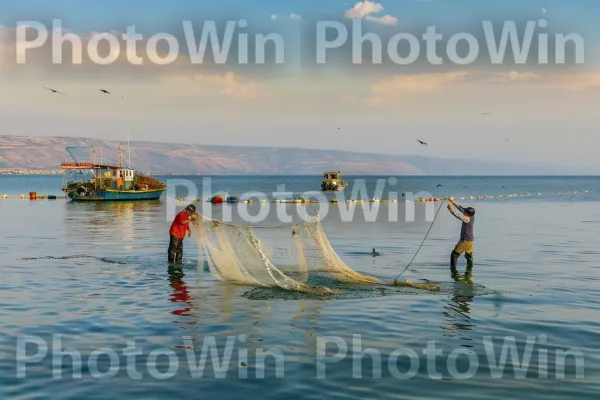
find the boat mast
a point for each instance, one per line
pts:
(129, 146)
(94, 168)
(120, 155)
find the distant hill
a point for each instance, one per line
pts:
(167, 158)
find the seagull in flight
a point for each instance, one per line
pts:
(53, 90)
(439, 185)
(422, 143)
(544, 11)
(104, 91)
(485, 113)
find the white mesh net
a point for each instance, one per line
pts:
(281, 256)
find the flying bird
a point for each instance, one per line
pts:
(544, 11)
(422, 143)
(104, 91)
(485, 113)
(439, 185)
(53, 90)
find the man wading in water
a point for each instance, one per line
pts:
(179, 227)
(465, 244)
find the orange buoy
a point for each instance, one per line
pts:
(217, 199)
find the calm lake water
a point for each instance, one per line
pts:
(97, 275)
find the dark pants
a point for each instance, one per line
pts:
(175, 250)
(453, 261)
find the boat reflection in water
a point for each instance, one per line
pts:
(133, 222)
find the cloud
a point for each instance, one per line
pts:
(514, 76)
(291, 16)
(387, 91)
(385, 20)
(422, 83)
(362, 9)
(569, 81)
(577, 82)
(366, 9)
(229, 84)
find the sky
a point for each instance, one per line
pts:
(519, 110)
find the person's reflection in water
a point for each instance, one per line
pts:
(180, 290)
(458, 310)
(466, 278)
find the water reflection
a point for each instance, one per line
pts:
(306, 322)
(458, 310)
(115, 219)
(220, 310)
(180, 293)
(213, 301)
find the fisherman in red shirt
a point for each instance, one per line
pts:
(179, 227)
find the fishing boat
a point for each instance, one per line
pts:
(332, 182)
(92, 181)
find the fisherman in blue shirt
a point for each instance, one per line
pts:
(465, 244)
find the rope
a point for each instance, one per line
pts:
(423, 242)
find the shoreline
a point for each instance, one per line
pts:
(23, 171)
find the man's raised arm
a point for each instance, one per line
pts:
(461, 217)
(455, 204)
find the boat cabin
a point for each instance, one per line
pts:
(331, 175)
(332, 181)
(125, 178)
(117, 179)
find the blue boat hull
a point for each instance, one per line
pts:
(116, 195)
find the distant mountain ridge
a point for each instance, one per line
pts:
(46, 153)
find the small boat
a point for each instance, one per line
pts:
(332, 182)
(91, 181)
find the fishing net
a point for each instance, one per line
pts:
(274, 256)
(282, 256)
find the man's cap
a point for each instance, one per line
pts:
(191, 208)
(470, 211)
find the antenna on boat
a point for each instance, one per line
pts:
(129, 146)
(100, 155)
